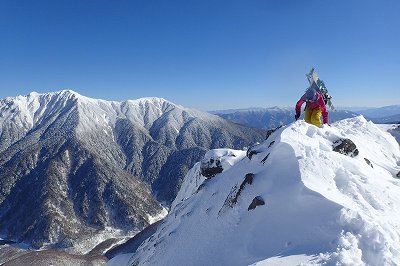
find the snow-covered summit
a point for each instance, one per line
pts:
(25, 112)
(289, 200)
(30, 110)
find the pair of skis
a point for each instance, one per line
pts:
(313, 78)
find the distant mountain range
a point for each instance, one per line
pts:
(75, 171)
(382, 115)
(272, 117)
(381, 112)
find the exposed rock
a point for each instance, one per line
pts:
(211, 167)
(265, 158)
(252, 151)
(272, 143)
(250, 154)
(368, 162)
(257, 201)
(398, 175)
(248, 179)
(235, 192)
(345, 147)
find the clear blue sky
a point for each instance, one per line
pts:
(203, 54)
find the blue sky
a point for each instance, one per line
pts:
(201, 53)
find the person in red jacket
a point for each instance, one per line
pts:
(315, 107)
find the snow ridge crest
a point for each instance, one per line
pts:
(30, 110)
(311, 205)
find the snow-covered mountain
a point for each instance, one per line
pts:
(393, 119)
(268, 118)
(381, 112)
(317, 196)
(75, 170)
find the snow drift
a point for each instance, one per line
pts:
(295, 201)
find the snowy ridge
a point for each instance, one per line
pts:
(32, 108)
(26, 111)
(153, 115)
(320, 207)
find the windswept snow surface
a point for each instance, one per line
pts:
(321, 207)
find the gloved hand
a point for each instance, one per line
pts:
(297, 116)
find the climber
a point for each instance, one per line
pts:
(315, 106)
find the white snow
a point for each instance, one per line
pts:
(321, 207)
(119, 260)
(150, 115)
(158, 217)
(26, 111)
(393, 129)
(86, 245)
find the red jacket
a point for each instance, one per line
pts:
(314, 104)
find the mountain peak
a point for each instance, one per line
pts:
(60, 93)
(71, 94)
(151, 99)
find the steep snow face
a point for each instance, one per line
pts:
(295, 201)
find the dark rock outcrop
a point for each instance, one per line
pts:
(345, 147)
(252, 151)
(368, 162)
(265, 159)
(234, 194)
(257, 201)
(272, 143)
(210, 167)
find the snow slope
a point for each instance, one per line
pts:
(320, 207)
(393, 129)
